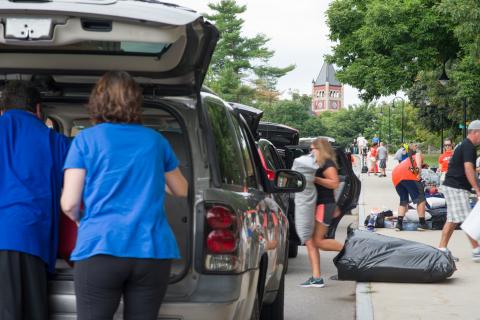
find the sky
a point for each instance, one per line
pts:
(298, 34)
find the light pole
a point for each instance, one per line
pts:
(443, 79)
(393, 104)
(380, 124)
(464, 118)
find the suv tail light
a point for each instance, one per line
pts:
(221, 241)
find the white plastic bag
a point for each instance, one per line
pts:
(436, 202)
(305, 201)
(471, 225)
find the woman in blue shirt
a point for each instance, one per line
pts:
(122, 169)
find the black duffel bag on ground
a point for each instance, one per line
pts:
(371, 257)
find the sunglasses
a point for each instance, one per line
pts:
(447, 145)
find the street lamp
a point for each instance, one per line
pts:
(393, 105)
(380, 125)
(443, 79)
(464, 118)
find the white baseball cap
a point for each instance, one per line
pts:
(474, 125)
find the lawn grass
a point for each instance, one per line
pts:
(431, 159)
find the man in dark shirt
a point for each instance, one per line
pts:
(459, 180)
(31, 163)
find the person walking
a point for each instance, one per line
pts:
(120, 169)
(31, 160)
(382, 155)
(326, 181)
(459, 180)
(406, 179)
(373, 158)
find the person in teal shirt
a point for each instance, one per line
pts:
(125, 244)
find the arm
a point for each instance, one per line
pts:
(471, 177)
(176, 183)
(331, 180)
(72, 193)
(419, 161)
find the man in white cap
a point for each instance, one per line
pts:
(459, 180)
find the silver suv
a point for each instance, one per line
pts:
(231, 231)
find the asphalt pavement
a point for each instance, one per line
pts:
(334, 301)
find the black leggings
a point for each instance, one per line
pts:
(101, 280)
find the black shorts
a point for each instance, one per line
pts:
(325, 213)
(382, 164)
(411, 188)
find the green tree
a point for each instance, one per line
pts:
(294, 112)
(241, 64)
(381, 46)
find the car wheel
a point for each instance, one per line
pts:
(274, 310)
(292, 250)
(256, 309)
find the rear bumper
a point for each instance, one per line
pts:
(215, 298)
(208, 311)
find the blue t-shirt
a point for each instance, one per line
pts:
(31, 161)
(124, 192)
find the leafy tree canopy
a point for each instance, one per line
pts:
(240, 62)
(381, 46)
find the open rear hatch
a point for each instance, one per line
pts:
(157, 43)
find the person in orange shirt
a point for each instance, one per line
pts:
(446, 155)
(373, 158)
(406, 179)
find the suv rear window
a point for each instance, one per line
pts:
(232, 171)
(104, 47)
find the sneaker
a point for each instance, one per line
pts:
(313, 282)
(422, 227)
(449, 253)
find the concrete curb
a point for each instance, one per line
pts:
(364, 310)
(364, 304)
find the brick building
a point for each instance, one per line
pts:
(327, 91)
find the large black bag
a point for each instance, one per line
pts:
(439, 217)
(368, 256)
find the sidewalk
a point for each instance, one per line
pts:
(455, 298)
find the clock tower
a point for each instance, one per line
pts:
(327, 91)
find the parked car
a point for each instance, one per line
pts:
(279, 136)
(231, 230)
(272, 161)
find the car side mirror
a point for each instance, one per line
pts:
(288, 181)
